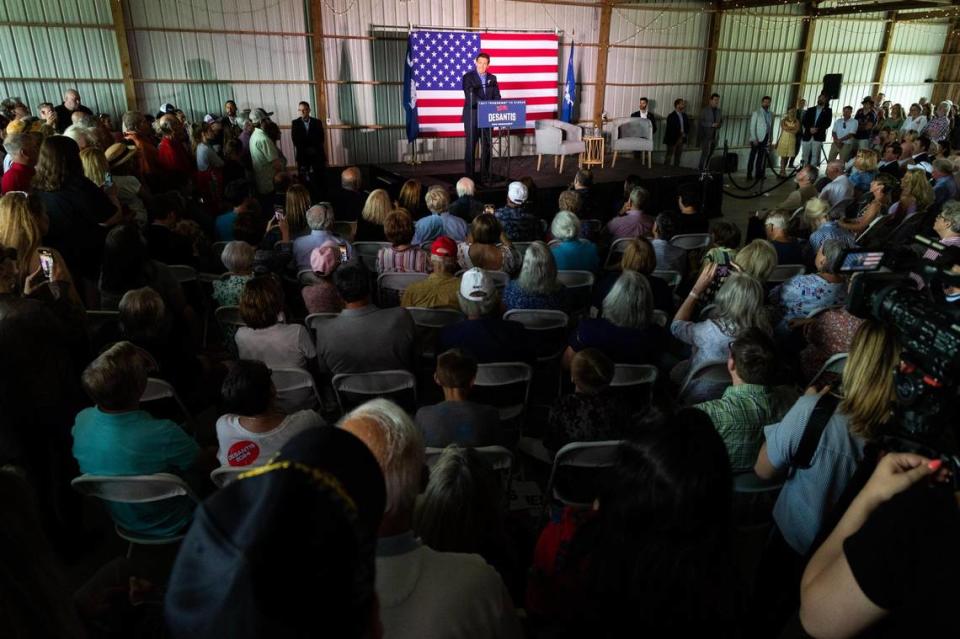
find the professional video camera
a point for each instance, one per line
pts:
(905, 288)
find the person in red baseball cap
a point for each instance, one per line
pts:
(441, 287)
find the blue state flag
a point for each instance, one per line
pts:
(569, 90)
(410, 96)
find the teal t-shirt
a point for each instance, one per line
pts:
(136, 443)
(223, 226)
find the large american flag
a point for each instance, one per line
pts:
(525, 65)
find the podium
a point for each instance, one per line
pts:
(501, 116)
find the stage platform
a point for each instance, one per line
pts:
(663, 182)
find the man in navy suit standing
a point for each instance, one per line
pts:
(308, 140)
(477, 85)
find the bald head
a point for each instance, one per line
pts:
(71, 99)
(350, 178)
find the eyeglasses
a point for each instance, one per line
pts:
(23, 193)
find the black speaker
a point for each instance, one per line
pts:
(831, 85)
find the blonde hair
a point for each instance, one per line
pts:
(19, 227)
(866, 160)
(297, 203)
(95, 165)
(437, 199)
(758, 258)
(914, 183)
(377, 207)
(815, 211)
(868, 378)
(638, 255)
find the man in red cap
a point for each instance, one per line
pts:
(441, 287)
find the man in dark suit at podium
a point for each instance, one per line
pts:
(307, 134)
(477, 85)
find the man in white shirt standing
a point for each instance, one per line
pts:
(264, 156)
(422, 592)
(761, 125)
(844, 134)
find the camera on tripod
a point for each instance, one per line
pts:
(911, 289)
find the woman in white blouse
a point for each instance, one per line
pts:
(915, 120)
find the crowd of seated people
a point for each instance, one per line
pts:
(317, 342)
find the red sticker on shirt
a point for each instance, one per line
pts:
(243, 453)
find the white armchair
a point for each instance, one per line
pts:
(557, 138)
(632, 134)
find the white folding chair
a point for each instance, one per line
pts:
(595, 455)
(616, 252)
(314, 321)
(183, 273)
(291, 385)
(835, 364)
(630, 379)
(229, 316)
(783, 272)
(371, 385)
(660, 318)
(549, 326)
(496, 378)
(397, 282)
(578, 291)
(159, 389)
(707, 381)
(135, 489)
(226, 474)
(346, 230)
(575, 279)
(521, 248)
(691, 241)
(368, 253)
(673, 278)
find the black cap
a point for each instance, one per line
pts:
(285, 550)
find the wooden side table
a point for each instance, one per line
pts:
(593, 155)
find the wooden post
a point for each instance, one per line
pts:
(881, 69)
(475, 14)
(713, 41)
(123, 48)
(319, 69)
(606, 9)
(948, 75)
(800, 79)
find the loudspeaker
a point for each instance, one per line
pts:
(831, 85)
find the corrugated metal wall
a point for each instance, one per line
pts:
(914, 57)
(198, 54)
(848, 46)
(759, 51)
(177, 60)
(658, 54)
(40, 58)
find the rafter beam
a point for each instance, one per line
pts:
(946, 12)
(606, 10)
(877, 7)
(948, 74)
(123, 48)
(713, 38)
(881, 69)
(319, 66)
(806, 33)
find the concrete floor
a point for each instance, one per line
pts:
(739, 210)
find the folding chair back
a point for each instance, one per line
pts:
(296, 389)
(706, 382)
(673, 278)
(183, 273)
(691, 241)
(306, 277)
(547, 328)
(353, 389)
(367, 251)
(435, 317)
(834, 365)
(616, 252)
(590, 456)
(628, 379)
(578, 289)
(505, 385)
(161, 394)
(225, 474)
(660, 318)
(390, 286)
(783, 272)
(314, 321)
(346, 230)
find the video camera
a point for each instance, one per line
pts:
(906, 289)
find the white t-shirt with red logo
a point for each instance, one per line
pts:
(240, 447)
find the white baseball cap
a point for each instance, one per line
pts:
(517, 192)
(476, 285)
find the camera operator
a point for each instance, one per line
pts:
(890, 565)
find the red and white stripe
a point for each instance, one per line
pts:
(527, 68)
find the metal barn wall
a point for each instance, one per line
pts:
(848, 46)
(365, 45)
(56, 45)
(657, 53)
(198, 55)
(915, 51)
(759, 51)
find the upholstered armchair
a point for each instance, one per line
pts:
(559, 139)
(632, 134)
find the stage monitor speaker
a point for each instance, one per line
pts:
(831, 85)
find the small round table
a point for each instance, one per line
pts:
(593, 154)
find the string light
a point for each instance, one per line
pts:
(329, 5)
(645, 28)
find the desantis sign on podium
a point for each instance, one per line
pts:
(526, 66)
(506, 113)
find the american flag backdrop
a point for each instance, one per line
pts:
(525, 65)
